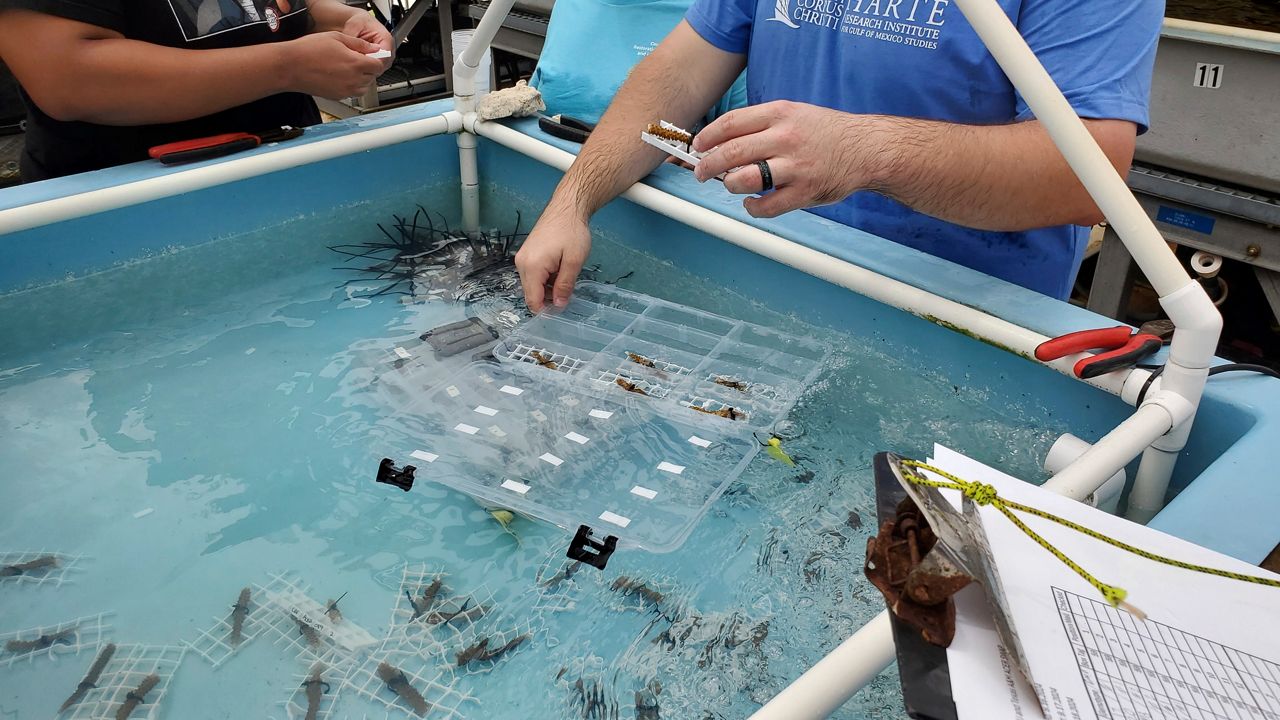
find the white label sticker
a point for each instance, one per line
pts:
(515, 487)
(1207, 75)
(424, 456)
(452, 391)
(615, 519)
(537, 415)
(496, 431)
(403, 354)
(601, 414)
(483, 410)
(580, 439)
(511, 390)
(144, 513)
(549, 458)
(468, 429)
(699, 441)
(671, 468)
(644, 492)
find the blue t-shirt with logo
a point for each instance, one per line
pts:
(591, 46)
(922, 59)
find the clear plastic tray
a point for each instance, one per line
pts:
(549, 446)
(683, 361)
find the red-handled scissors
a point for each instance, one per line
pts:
(1124, 349)
(219, 145)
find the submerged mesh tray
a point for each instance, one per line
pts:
(621, 412)
(686, 361)
(536, 443)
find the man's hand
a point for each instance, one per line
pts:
(816, 156)
(362, 25)
(333, 65)
(552, 256)
(990, 177)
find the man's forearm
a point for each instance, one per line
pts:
(1000, 177)
(660, 87)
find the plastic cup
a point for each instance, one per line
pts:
(461, 39)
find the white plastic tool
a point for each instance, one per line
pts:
(684, 151)
(380, 55)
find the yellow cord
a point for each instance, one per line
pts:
(983, 494)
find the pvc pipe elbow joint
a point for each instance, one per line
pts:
(1180, 411)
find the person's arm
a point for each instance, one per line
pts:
(677, 82)
(336, 16)
(332, 15)
(80, 72)
(994, 177)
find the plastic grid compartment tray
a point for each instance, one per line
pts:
(621, 332)
(561, 345)
(538, 443)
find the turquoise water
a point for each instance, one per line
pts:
(193, 423)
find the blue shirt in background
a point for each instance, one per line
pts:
(922, 59)
(591, 46)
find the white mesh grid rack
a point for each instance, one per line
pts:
(414, 581)
(633, 383)
(542, 357)
(215, 643)
(129, 666)
(558, 584)
(330, 682)
(56, 574)
(512, 631)
(433, 680)
(65, 638)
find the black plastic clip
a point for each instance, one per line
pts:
(403, 479)
(596, 554)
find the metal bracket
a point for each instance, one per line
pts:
(401, 478)
(585, 550)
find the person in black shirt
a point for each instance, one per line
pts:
(105, 80)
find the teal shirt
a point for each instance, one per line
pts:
(592, 45)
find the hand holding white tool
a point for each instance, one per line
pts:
(675, 141)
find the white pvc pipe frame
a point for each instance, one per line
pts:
(464, 102)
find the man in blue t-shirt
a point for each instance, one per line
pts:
(887, 115)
